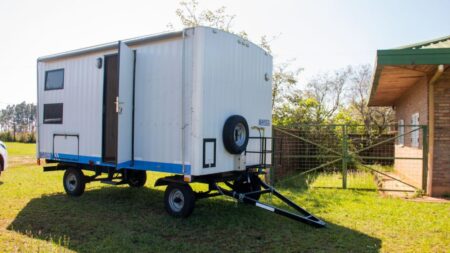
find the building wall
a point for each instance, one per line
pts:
(440, 178)
(414, 100)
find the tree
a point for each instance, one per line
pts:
(340, 98)
(18, 118)
(317, 103)
(328, 90)
(190, 16)
(359, 86)
(296, 111)
(284, 80)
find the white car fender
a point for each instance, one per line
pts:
(4, 155)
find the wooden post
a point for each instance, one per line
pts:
(344, 156)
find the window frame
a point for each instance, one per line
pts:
(53, 122)
(401, 132)
(46, 77)
(415, 135)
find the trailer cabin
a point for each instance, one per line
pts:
(194, 103)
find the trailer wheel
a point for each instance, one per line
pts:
(235, 134)
(136, 178)
(179, 200)
(244, 184)
(74, 182)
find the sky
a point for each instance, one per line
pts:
(319, 36)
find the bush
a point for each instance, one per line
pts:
(26, 137)
(20, 137)
(6, 136)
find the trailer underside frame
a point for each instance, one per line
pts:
(218, 185)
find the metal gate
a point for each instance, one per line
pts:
(397, 152)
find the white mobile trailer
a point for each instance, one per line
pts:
(173, 93)
(194, 103)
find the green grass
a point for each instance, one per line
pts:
(20, 149)
(355, 180)
(36, 216)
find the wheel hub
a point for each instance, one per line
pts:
(176, 200)
(71, 182)
(239, 134)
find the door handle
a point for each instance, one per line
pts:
(117, 104)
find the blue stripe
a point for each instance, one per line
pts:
(161, 167)
(138, 165)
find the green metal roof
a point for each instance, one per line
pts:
(443, 42)
(413, 56)
(433, 52)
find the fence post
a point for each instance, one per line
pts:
(273, 161)
(344, 156)
(424, 158)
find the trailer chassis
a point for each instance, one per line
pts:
(301, 215)
(243, 186)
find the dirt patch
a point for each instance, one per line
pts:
(391, 187)
(430, 200)
(21, 160)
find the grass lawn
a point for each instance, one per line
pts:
(36, 216)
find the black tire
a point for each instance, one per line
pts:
(74, 182)
(136, 178)
(179, 200)
(235, 134)
(1, 164)
(248, 183)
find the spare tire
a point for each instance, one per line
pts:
(235, 134)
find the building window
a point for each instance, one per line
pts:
(401, 132)
(415, 130)
(54, 79)
(53, 113)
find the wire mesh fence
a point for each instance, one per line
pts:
(397, 152)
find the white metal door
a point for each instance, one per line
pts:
(125, 104)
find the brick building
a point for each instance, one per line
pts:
(415, 81)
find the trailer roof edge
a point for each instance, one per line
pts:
(111, 45)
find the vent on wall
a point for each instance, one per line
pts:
(209, 153)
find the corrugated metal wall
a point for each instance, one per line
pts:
(82, 97)
(232, 83)
(158, 103)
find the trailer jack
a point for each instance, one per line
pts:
(302, 215)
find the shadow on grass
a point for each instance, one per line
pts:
(1, 182)
(134, 220)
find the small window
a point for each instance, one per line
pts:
(401, 132)
(54, 79)
(53, 113)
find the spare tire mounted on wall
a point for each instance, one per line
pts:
(235, 134)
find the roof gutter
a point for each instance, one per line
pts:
(431, 124)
